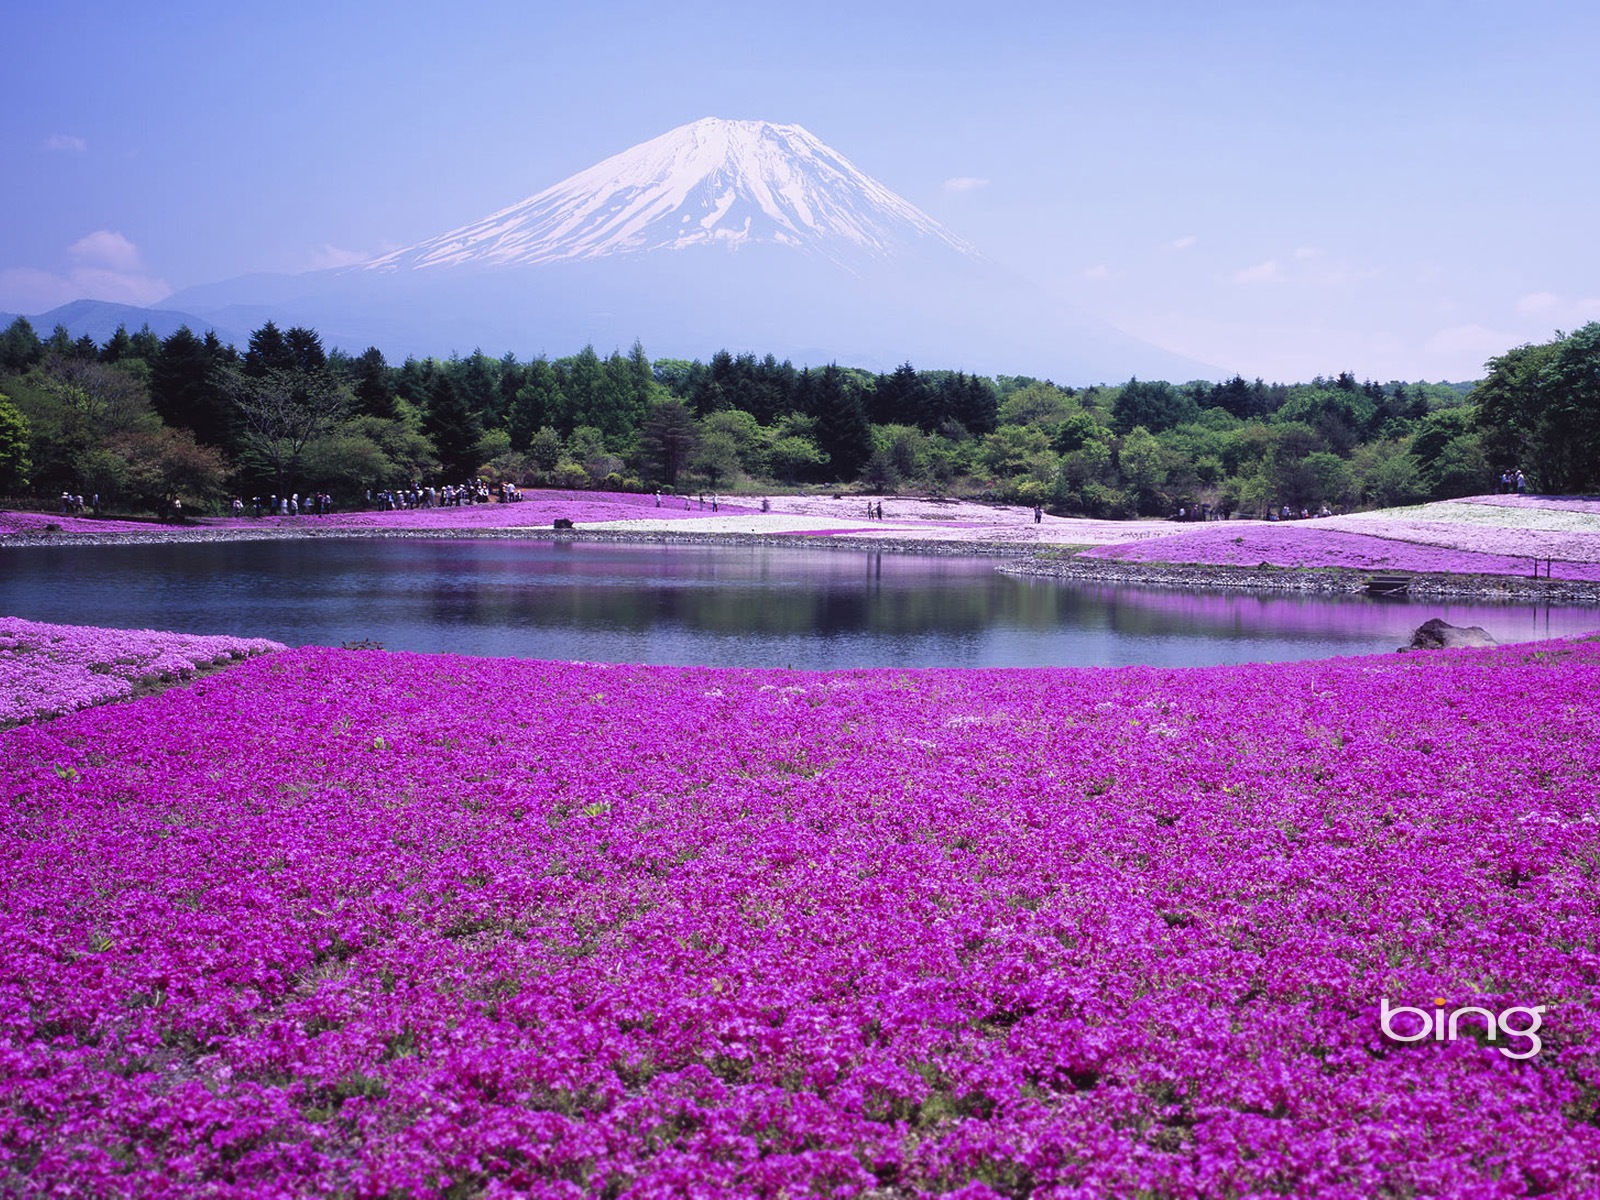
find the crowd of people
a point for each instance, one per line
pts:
(1286, 513)
(319, 504)
(450, 496)
(71, 504)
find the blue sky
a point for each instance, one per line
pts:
(1283, 189)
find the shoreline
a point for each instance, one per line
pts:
(1023, 560)
(1326, 581)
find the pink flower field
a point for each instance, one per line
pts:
(46, 670)
(27, 522)
(352, 923)
(540, 509)
(1308, 544)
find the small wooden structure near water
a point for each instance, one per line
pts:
(1388, 585)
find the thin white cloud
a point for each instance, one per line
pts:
(1469, 342)
(331, 257)
(1548, 306)
(1182, 243)
(103, 265)
(1307, 252)
(1265, 272)
(964, 183)
(1343, 273)
(1293, 349)
(1098, 271)
(65, 142)
(105, 249)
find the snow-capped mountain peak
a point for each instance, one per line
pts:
(710, 183)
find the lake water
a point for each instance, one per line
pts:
(723, 606)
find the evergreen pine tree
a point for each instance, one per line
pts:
(843, 432)
(266, 352)
(118, 346)
(370, 385)
(537, 402)
(145, 345)
(453, 427)
(186, 392)
(20, 346)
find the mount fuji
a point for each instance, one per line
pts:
(727, 184)
(743, 235)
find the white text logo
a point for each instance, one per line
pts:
(1442, 1027)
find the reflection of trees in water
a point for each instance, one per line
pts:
(737, 609)
(769, 593)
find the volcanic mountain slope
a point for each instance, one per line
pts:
(713, 183)
(738, 234)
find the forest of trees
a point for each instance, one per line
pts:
(143, 421)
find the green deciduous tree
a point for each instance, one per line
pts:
(1155, 405)
(544, 449)
(280, 412)
(1539, 410)
(14, 463)
(165, 464)
(1143, 467)
(1386, 474)
(716, 458)
(744, 432)
(793, 453)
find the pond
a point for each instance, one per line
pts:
(721, 606)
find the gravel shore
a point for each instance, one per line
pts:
(1310, 581)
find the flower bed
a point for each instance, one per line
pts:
(46, 670)
(1513, 512)
(28, 522)
(369, 924)
(1309, 544)
(1512, 542)
(1577, 504)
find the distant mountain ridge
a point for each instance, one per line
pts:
(739, 235)
(100, 319)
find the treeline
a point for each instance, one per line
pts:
(142, 421)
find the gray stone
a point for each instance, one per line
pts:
(1441, 635)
